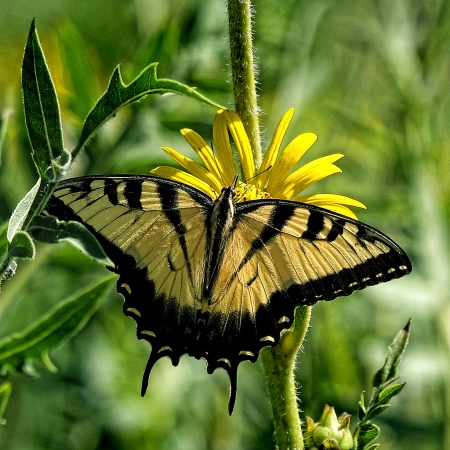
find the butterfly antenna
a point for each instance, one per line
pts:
(257, 175)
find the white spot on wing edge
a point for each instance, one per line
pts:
(246, 352)
(267, 338)
(126, 287)
(162, 349)
(148, 333)
(134, 311)
(403, 268)
(225, 360)
(284, 319)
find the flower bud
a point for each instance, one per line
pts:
(330, 432)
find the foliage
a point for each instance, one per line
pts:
(371, 79)
(367, 432)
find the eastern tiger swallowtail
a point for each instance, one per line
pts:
(220, 280)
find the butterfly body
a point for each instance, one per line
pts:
(219, 280)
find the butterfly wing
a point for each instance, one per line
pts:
(154, 232)
(285, 254)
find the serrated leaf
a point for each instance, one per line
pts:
(367, 434)
(119, 95)
(5, 391)
(386, 395)
(50, 230)
(21, 212)
(388, 373)
(41, 106)
(60, 324)
(22, 246)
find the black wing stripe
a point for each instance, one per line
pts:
(110, 191)
(169, 202)
(132, 193)
(278, 218)
(314, 226)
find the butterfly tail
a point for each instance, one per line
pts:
(233, 389)
(148, 368)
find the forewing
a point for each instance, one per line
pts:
(154, 232)
(285, 254)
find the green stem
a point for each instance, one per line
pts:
(279, 363)
(243, 71)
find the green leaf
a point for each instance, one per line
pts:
(386, 395)
(21, 212)
(361, 408)
(50, 230)
(22, 246)
(367, 434)
(388, 373)
(64, 321)
(372, 447)
(118, 95)
(5, 391)
(4, 244)
(375, 411)
(41, 106)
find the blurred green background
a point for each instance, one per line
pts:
(372, 79)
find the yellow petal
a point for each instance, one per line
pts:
(181, 176)
(223, 147)
(288, 159)
(340, 209)
(240, 138)
(335, 207)
(306, 176)
(330, 199)
(272, 152)
(196, 169)
(203, 150)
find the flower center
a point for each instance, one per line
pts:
(246, 192)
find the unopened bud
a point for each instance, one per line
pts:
(329, 433)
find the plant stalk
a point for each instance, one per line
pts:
(279, 364)
(243, 71)
(278, 361)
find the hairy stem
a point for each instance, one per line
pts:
(243, 71)
(279, 363)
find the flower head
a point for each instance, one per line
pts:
(273, 179)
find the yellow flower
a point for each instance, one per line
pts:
(271, 180)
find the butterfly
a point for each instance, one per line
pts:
(217, 279)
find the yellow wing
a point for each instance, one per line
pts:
(285, 254)
(154, 232)
(278, 255)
